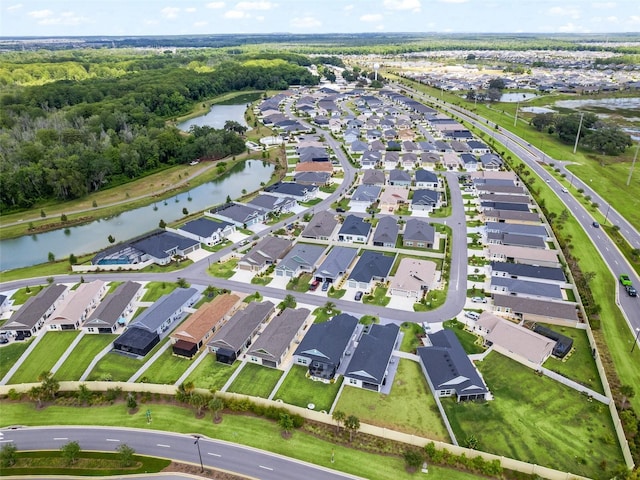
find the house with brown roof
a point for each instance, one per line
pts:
(413, 278)
(267, 252)
(77, 306)
(517, 254)
(192, 334)
(314, 167)
(392, 197)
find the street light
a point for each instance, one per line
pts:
(197, 443)
(635, 340)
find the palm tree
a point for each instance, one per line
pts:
(286, 423)
(49, 386)
(328, 307)
(215, 405)
(199, 401)
(352, 423)
(288, 302)
(338, 416)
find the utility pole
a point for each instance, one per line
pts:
(575, 146)
(515, 120)
(635, 157)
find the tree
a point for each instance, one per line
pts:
(543, 121)
(199, 401)
(73, 260)
(493, 94)
(162, 224)
(84, 394)
(132, 403)
(607, 140)
(286, 424)
(36, 394)
(216, 404)
(497, 83)
(338, 416)
(412, 459)
(352, 424)
(70, 452)
(627, 392)
(182, 283)
(51, 257)
(185, 390)
(289, 301)
(125, 454)
(185, 211)
(111, 239)
(8, 455)
(63, 217)
(328, 307)
(49, 385)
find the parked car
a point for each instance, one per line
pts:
(3, 339)
(625, 280)
(325, 286)
(595, 225)
(479, 299)
(314, 285)
(631, 291)
(472, 315)
(358, 296)
(340, 210)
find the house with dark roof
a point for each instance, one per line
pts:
(536, 310)
(373, 177)
(271, 204)
(426, 179)
(323, 348)
(370, 361)
(418, 234)
(302, 258)
(354, 230)
(206, 230)
(4, 303)
(505, 198)
(529, 230)
(425, 200)
(266, 252)
(409, 160)
(516, 240)
(491, 162)
(522, 271)
(313, 178)
(469, 162)
(31, 316)
(77, 306)
(370, 160)
(371, 267)
(391, 160)
(478, 147)
(321, 226)
(358, 146)
(275, 341)
(114, 309)
(460, 147)
(240, 215)
(302, 193)
(144, 332)
(192, 334)
(498, 205)
(525, 288)
(401, 178)
(448, 369)
(386, 232)
(364, 195)
(335, 264)
(236, 336)
(313, 154)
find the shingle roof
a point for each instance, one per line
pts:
(32, 311)
(523, 270)
(397, 175)
(518, 240)
(75, 304)
(531, 306)
(158, 313)
(426, 176)
(371, 264)
(268, 249)
(238, 212)
(301, 255)
(158, 244)
(278, 334)
(371, 357)
(205, 227)
(373, 177)
(419, 230)
(112, 307)
(327, 341)
(515, 228)
(321, 225)
(354, 225)
(205, 318)
(290, 188)
(425, 197)
(386, 231)
(366, 193)
(337, 261)
(238, 330)
(526, 287)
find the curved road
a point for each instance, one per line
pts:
(218, 454)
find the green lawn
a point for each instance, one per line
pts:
(470, 342)
(256, 380)
(9, 355)
(23, 294)
(410, 341)
(44, 356)
(322, 315)
(223, 270)
(79, 360)
(537, 420)
(299, 390)
(154, 290)
(120, 368)
(167, 369)
(211, 374)
(247, 430)
(300, 284)
(379, 297)
(579, 365)
(409, 407)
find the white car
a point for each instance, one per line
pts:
(478, 299)
(472, 315)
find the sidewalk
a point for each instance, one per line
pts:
(67, 352)
(22, 358)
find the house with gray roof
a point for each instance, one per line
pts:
(498, 205)
(418, 234)
(31, 316)
(391, 160)
(358, 146)
(460, 147)
(313, 178)
(516, 240)
(206, 230)
(373, 177)
(323, 348)
(425, 200)
(386, 232)
(240, 215)
(302, 258)
(409, 160)
(491, 162)
(335, 264)
(530, 230)
(525, 288)
(371, 267)
(302, 193)
(365, 195)
(511, 216)
(377, 146)
(275, 341)
(370, 160)
(236, 336)
(313, 154)
(321, 226)
(478, 147)
(448, 369)
(266, 252)
(535, 273)
(401, 178)
(426, 179)
(469, 161)
(370, 361)
(354, 230)
(272, 204)
(536, 310)
(114, 309)
(504, 198)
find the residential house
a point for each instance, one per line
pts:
(535, 310)
(426, 179)
(313, 178)
(525, 288)
(497, 205)
(409, 160)
(386, 232)
(274, 205)
(321, 226)
(364, 196)
(335, 264)
(392, 198)
(31, 316)
(354, 230)
(240, 215)
(530, 256)
(413, 278)
(370, 160)
(563, 343)
(206, 230)
(516, 240)
(266, 252)
(391, 160)
(191, 335)
(491, 161)
(313, 167)
(324, 346)
(371, 267)
(448, 369)
(114, 309)
(511, 216)
(274, 343)
(477, 147)
(469, 162)
(504, 198)
(535, 273)
(429, 160)
(373, 177)
(302, 258)
(418, 234)
(451, 161)
(425, 200)
(358, 146)
(400, 178)
(77, 306)
(301, 193)
(369, 364)
(236, 336)
(460, 147)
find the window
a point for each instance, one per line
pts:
(353, 381)
(302, 361)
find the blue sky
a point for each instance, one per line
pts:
(182, 17)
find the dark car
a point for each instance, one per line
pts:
(595, 225)
(314, 285)
(631, 291)
(340, 210)
(325, 286)
(358, 296)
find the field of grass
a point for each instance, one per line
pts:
(223, 270)
(537, 420)
(154, 290)
(211, 374)
(79, 360)
(409, 407)
(247, 430)
(410, 341)
(23, 294)
(299, 390)
(9, 355)
(44, 356)
(167, 369)
(468, 340)
(255, 380)
(378, 297)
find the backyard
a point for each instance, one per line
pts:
(409, 407)
(255, 380)
(468, 340)
(167, 369)
(9, 355)
(299, 390)
(537, 420)
(78, 361)
(154, 290)
(44, 356)
(211, 374)
(410, 340)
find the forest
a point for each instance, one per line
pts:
(66, 138)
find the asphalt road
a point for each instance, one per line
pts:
(215, 453)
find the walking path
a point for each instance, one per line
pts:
(68, 351)
(575, 385)
(22, 358)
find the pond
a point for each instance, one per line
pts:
(516, 97)
(628, 103)
(217, 116)
(91, 237)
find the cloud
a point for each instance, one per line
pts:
(191, 10)
(305, 22)
(40, 13)
(572, 12)
(68, 18)
(150, 22)
(604, 5)
(346, 8)
(215, 5)
(453, 1)
(200, 24)
(572, 28)
(170, 12)
(235, 14)
(413, 5)
(12, 8)
(371, 17)
(255, 5)
(380, 27)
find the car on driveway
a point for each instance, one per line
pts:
(595, 225)
(314, 285)
(358, 296)
(340, 210)
(478, 299)
(625, 280)
(631, 291)
(325, 286)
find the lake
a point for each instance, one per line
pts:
(628, 103)
(516, 97)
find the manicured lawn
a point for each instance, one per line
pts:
(247, 430)
(211, 374)
(79, 360)
(44, 356)
(167, 369)
(9, 355)
(223, 270)
(468, 340)
(322, 315)
(537, 420)
(256, 380)
(379, 297)
(157, 289)
(120, 368)
(579, 365)
(300, 284)
(59, 267)
(265, 280)
(409, 407)
(299, 390)
(410, 341)
(24, 294)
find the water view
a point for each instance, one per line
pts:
(217, 117)
(516, 97)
